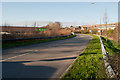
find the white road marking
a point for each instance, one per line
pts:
(13, 57)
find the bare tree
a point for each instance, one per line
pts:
(54, 28)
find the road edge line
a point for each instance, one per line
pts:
(13, 57)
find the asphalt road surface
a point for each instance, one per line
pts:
(44, 60)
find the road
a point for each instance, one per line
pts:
(44, 60)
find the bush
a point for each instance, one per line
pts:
(86, 31)
(110, 31)
(94, 31)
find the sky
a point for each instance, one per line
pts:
(68, 13)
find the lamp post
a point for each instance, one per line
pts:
(105, 19)
(100, 20)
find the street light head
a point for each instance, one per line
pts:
(92, 3)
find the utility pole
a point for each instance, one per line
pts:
(105, 19)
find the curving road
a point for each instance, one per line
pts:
(44, 60)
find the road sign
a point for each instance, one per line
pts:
(41, 29)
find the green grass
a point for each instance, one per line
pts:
(89, 64)
(111, 46)
(10, 44)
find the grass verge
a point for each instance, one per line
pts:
(113, 55)
(110, 46)
(9, 44)
(89, 64)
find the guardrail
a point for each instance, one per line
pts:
(109, 69)
(34, 38)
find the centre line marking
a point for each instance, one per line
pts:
(13, 57)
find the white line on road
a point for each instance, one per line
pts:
(13, 57)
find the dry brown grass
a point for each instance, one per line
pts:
(112, 34)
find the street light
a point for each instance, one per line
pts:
(92, 26)
(100, 19)
(105, 19)
(93, 3)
